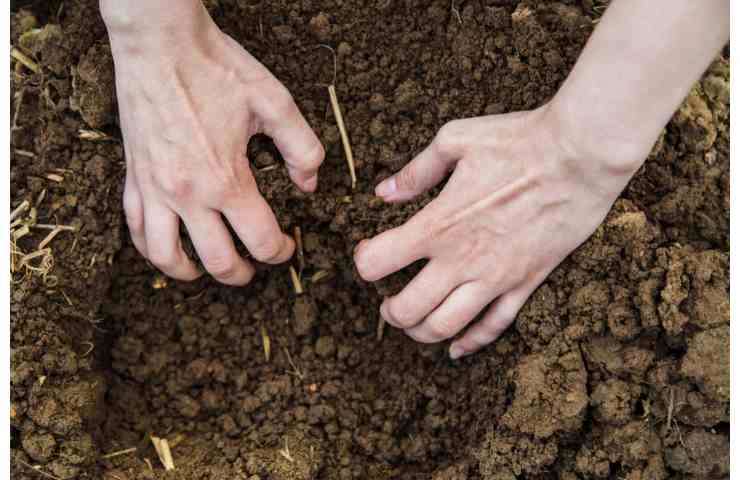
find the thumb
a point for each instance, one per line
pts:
(424, 171)
(301, 149)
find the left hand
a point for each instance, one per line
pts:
(523, 195)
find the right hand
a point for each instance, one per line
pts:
(190, 97)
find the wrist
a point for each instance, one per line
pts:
(138, 25)
(597, 137)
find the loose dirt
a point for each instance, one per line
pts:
(617, 367)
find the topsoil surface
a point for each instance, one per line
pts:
(617, 367)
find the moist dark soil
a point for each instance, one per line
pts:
(617, 367)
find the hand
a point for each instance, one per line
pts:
(190, 98)
(521, 198)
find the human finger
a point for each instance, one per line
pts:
(163, 244)
(257, 227)
(133, 207)
(215, 247)
(427, 169)
(459, 309)
(280, 118)
(421, 296)
(495, 322)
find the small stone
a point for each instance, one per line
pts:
(264, 159)
(39, 447)
(344, 49)
(325, 347)
(305, 315)
(188, 407)
(377, 126)
(320, 27)
(283, 33)
(408, 96)
(376, 102)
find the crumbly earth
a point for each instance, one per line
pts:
(617, 367)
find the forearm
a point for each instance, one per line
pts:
(638, 66)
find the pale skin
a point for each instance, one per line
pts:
(526, 189)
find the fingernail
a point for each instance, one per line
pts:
(386, 188)
(456, 352)
(312, 182)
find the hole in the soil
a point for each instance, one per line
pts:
(640, 408)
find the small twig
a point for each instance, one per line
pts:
(340, 119)
(334, 56)
(19, 233)
(24, 153)
(46, 226)
(93, 135)
(671, 404)
(343, 134)
(19, 210)
(299, 249)
(380, 328)
(297, 285)
(66, 298)
(296, 371)
(49, 238)
(18, 104)
(88, 352)
(265, 341)
(119, 453)
(286, 452)
(268, 168)
(54, 177)
(456, 12)
(680, 438)
(177, 440)
(38, 253)
(37, 469)
(25, 60)
(318, 276)
(163, 451)
(40, 198)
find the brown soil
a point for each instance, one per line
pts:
(618, 366)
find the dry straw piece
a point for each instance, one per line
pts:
(343, 133)
(265, 342)
(163, 451)
(25, 60)
(334, 100)
(296, 280)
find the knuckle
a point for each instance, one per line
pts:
(400, 314)
(422, 229)
(282, 100)
(162, 259)
(502, 322)
(221, 267)
(134, 215)
(448, 138)
(229, 188)
(363, 261)
(315, 156)
(177, 187)
(475, 243)
(441, 330)
(267, 250)
(406, 179)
